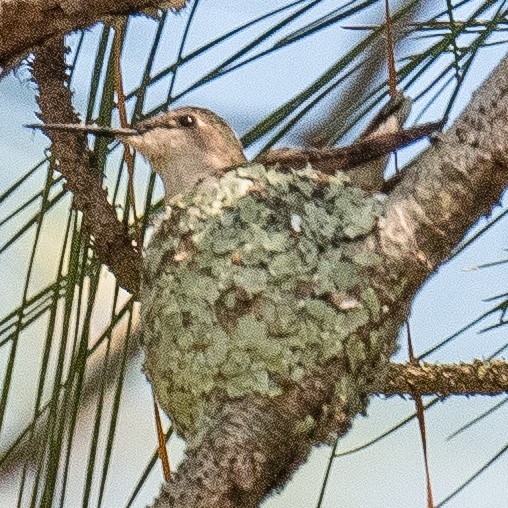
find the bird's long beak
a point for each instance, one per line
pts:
(88, 129)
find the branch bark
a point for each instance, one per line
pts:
(28, 24)
(257, 444)
(113, 245)
(446, 190)
(477, 378)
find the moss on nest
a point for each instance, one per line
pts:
(251, 284)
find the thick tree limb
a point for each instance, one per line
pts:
(444, 192)
(256, 445)
(113, 245)
(28, 24)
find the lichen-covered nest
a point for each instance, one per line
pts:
(252, 283)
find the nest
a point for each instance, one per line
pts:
(253, 282)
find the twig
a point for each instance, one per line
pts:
(477, 378)
(128, 157)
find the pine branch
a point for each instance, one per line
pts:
(28, 24)
(449, 187)
(112, 243)
(468, 379)
(477, 378)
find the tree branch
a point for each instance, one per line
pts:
(257, 444)
(28, 24)
(112, 245)
(477, 378)
(446, 190)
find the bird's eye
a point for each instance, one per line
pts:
(186, 121)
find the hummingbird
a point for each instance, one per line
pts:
(191, 144)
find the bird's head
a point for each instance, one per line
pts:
(184, 145)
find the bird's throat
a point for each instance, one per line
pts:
(181, 174)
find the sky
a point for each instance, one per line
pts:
(389, 474)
